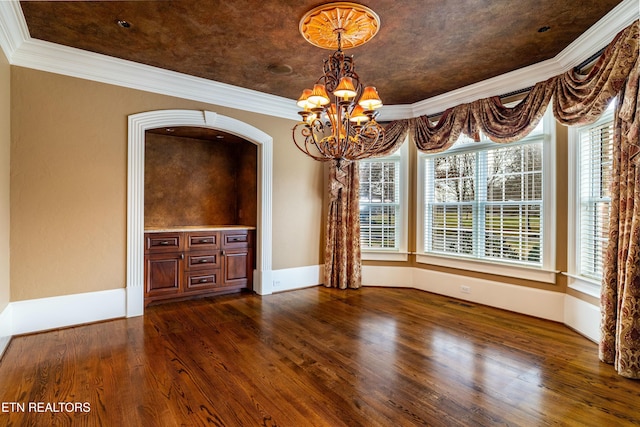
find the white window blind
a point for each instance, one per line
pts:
(596, 161)
(379, 203)
(485, 201)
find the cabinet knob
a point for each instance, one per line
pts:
(203, 280)
(164, 243)
(204, 261)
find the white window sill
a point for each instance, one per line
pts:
(517, 271)
(583, 285)
(384, 256)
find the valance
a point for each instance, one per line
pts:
(577, 99)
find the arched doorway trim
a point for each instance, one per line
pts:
(138, 124)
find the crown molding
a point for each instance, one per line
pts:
(13, 27)
(55, 58)
(22, 50)
(505, 83)
(599, 35)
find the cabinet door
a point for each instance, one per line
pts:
(237, 267)
(163, 274)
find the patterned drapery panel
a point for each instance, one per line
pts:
(342, 266)
(620, 294)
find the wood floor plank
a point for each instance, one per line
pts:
(317, 357)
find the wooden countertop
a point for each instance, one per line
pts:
(180, 228)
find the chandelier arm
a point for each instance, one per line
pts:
(309, 140)
(367, 142)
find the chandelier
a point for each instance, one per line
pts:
(338, 115)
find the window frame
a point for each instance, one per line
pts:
(547, 272)
(576, 280)
(402, 221)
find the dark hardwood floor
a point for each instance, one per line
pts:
(315, 357)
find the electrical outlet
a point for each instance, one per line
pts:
(465, 289)
(276, 283)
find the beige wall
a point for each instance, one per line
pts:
(5, 144)
(68, 184)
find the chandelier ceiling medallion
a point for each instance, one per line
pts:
(338, 115)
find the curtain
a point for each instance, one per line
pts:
(580, 100)
(620, 294)
(501, 124)
(342, 265)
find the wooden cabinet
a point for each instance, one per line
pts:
(184, 264)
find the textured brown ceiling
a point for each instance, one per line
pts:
(424, 47)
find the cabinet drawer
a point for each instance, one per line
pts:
(236, 239)
(203, 240)
(196, 281)
(162, 242)
(203, 260)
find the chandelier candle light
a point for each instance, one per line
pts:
(338, 115)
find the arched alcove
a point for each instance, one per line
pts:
(138, 124)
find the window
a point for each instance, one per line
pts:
(379, 203)
(592, 172)
(382, 206)
(596, 162)
(487, 202)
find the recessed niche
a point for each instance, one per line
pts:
(198, 176)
